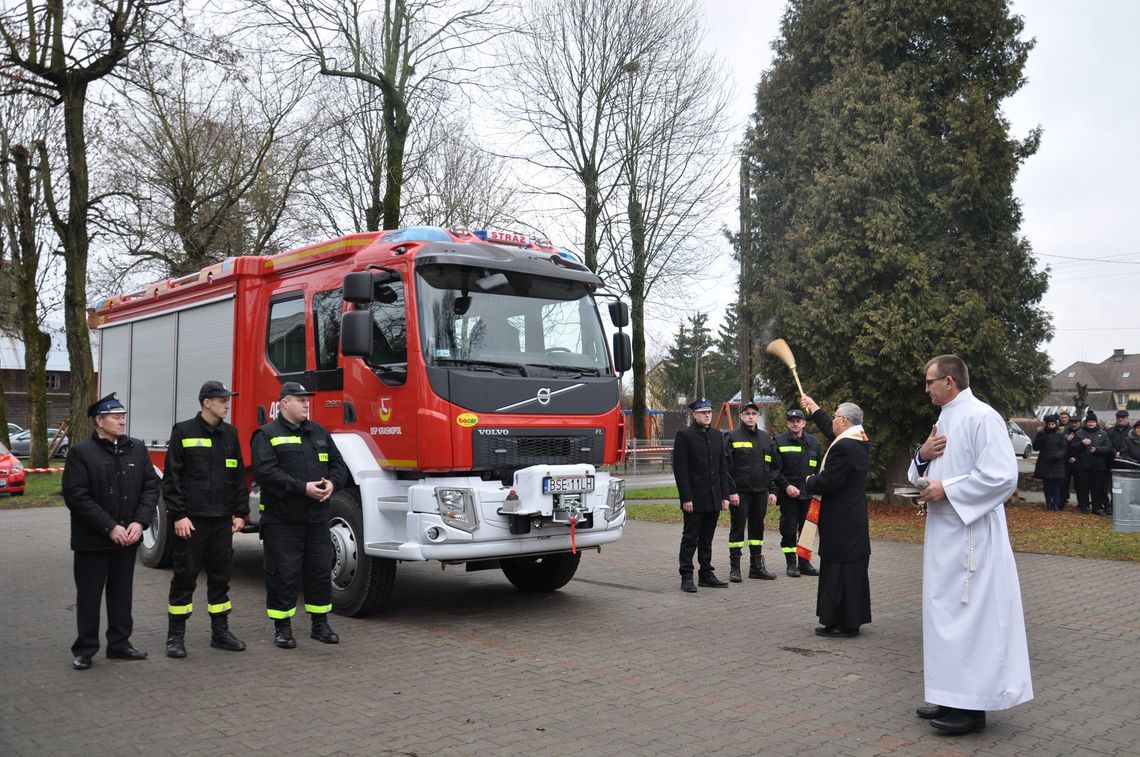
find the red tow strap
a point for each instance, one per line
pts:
(573, 540)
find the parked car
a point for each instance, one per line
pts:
(12, 474)
(13, 429)
(22, 443)
(1022, 444)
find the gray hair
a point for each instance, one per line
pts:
(851, 412)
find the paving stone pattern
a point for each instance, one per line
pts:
(620, 662)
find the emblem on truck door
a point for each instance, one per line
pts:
(542, 397)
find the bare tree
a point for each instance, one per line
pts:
(673, 137)
(206, 161)
(25, 121)
(53, 53)
(564, 69)
(402, 50)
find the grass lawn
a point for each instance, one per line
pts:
(42, 491)
(1031, 527)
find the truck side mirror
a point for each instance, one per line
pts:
(619, 314)
(358, 287)
(356, 331)
(623, 353)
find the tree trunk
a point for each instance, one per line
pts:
(36, 342)
(593, 210)
(637, 308)
(895, 475)
(743, 312)
(397, 124)
(75, 249)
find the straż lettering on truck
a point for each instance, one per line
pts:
(465, 376)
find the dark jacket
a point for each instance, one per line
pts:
(844, 535)
(1092, 456)
(284, 459)
(106, 484)
(752, 460)
(1118, 437)
(205, 473)
(1132, 450)
(700, 467)
(797, 459)
(1050, 446)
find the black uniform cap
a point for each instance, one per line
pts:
(214, 389)
(701, 404)
(106, 406)
(795, 412)
(1121, 413)
(750, 406)
(294, 389)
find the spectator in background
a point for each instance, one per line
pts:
(1132, 451)
(1070, 425)
(1088, 451)
(1118, 435)
(1050, 468)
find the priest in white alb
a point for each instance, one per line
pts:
(975, 655)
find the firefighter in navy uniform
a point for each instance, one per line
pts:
(298, 468)
(798, 455)
(207, 499)
(751, 465)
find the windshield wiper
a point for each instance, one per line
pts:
(484, 365)
(573, 370)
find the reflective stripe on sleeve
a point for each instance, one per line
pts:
(223, 607)
(275, 440)
(197, 442)
(281, 614)
(318, 609)
(180, 609)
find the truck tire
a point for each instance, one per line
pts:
(156, 549)
(360, 584)
(540, 573)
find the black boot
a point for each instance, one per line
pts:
(757, 569)
(734, 568)
(710, 579)
(221, 637)
(176, 637)
(322, 632)
(283, 634)
(792, 570)
(806, 568)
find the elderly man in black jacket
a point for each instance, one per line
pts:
(700, 466)
(1088, 450)
(111, 489)
(843, 600)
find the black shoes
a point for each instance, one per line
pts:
(283, 636)
(758, 570)
(176, 646)
(734, 573)
(836, 632)
(710, 579)
(793, 571)
(687, 584)
(932, 711)
(322, 632)
(126, 653)
(81, 662)
(222, 638)
(956, 722)
(806, 569)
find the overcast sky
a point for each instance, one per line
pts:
(1077, 192)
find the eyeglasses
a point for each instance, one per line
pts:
(939, 378)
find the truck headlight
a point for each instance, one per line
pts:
(457, 507)
(615, 498)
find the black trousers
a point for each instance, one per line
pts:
(210, 546)
(750, 512)
(843, 597)
(793, 513)
(697, 535)
(296, 554)
(113, 571)
(1090, 485)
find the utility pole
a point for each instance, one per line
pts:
(744, 316)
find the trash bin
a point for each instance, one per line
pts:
(1126, 500)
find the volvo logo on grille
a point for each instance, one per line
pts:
(493, 432)
(543, 395)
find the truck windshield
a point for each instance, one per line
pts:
(485, 318)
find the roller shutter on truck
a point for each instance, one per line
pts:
(157, 364)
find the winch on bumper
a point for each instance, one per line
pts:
(471, 519)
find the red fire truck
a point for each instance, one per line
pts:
(465, 377)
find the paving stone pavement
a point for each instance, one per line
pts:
(620, 662)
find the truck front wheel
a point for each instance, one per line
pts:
(360, 584)
(541, 573)
(157, 547)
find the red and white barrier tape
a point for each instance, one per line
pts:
(43, 470)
